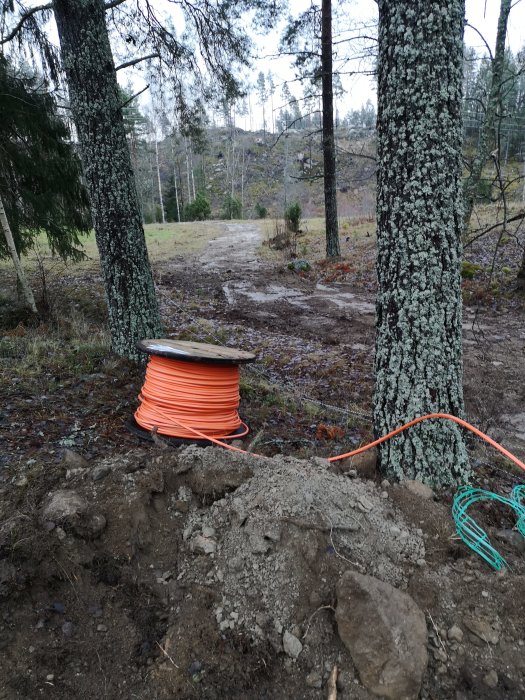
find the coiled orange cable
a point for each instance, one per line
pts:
(197, 399)
(184, 399)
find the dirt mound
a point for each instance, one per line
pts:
(214, 575)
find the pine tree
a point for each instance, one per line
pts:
(418, 362)
(40, 174)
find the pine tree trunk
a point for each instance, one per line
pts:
(330, 192)
(96, 110)
(26, 289)
(418, 360)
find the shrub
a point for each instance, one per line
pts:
(261, 212)
(292, 217)
(198, 210)
(232, 208)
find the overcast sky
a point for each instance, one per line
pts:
(482, 14)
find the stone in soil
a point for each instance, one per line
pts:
(291, 645)
(385, 633)
(63, 505)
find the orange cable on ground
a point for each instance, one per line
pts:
(445, 416)
(187, 399)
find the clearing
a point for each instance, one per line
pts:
(132, 571)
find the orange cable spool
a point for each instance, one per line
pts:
(191, 391)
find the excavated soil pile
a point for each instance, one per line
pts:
(206, 574)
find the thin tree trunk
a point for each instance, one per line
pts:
(242, 184)
(26, 289)
(188, 170)
(96, 110)
(175, 179)
(159, 184)
(333, 249)
(192, 171)
(488, 139)
(418, 361)
(521, 273)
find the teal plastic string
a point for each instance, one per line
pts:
(472, 534)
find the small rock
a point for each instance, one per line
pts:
(272, 533)
(63, 505)
(421, 563)
(419, 489)
(60, 533)
(50, 677)
(351, 473)
(203, 545)
(314, 680)
(384, 494)
(74, 459)
(385, 483)
(102, 628)
(364, 504)
(181, 506)
(235, 564)
(208, 532)
(258, 544)
(195, 667)
(67, 628)
(455, 634)
(291, 645)
(439, 654)
(482, 629)
(491, 679)
(100, 472)
(299, 265)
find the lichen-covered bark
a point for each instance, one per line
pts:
(95, 106)
(418, 360)
(330, 191)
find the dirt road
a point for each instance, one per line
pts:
(250, 290)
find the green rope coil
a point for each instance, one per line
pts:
(473, 535)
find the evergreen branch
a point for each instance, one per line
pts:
(134, 61)
(23, 19)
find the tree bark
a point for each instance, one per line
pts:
(330, 192)
(96, 110)
(488, 138)
(26, 289)
(418, 361)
